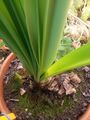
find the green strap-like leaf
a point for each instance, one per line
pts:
(11, 32)
(31, 8)
(55, 18)
(76, 58)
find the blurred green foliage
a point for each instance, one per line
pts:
(81, 8)
(64, 47)
(2, 44)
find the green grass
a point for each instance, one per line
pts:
(39, 104)
(44, 106)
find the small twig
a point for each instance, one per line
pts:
(79, 19)
(14, 100)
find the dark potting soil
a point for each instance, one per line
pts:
(43, 104)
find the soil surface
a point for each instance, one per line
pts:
(44, 104)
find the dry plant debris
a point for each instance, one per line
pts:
(64, 84)
(77, 29)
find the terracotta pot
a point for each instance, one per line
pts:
(3, 71)
(86, 115)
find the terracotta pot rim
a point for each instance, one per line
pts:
(86, 114)
(3, 71)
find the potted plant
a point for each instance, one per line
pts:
(32, 29)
